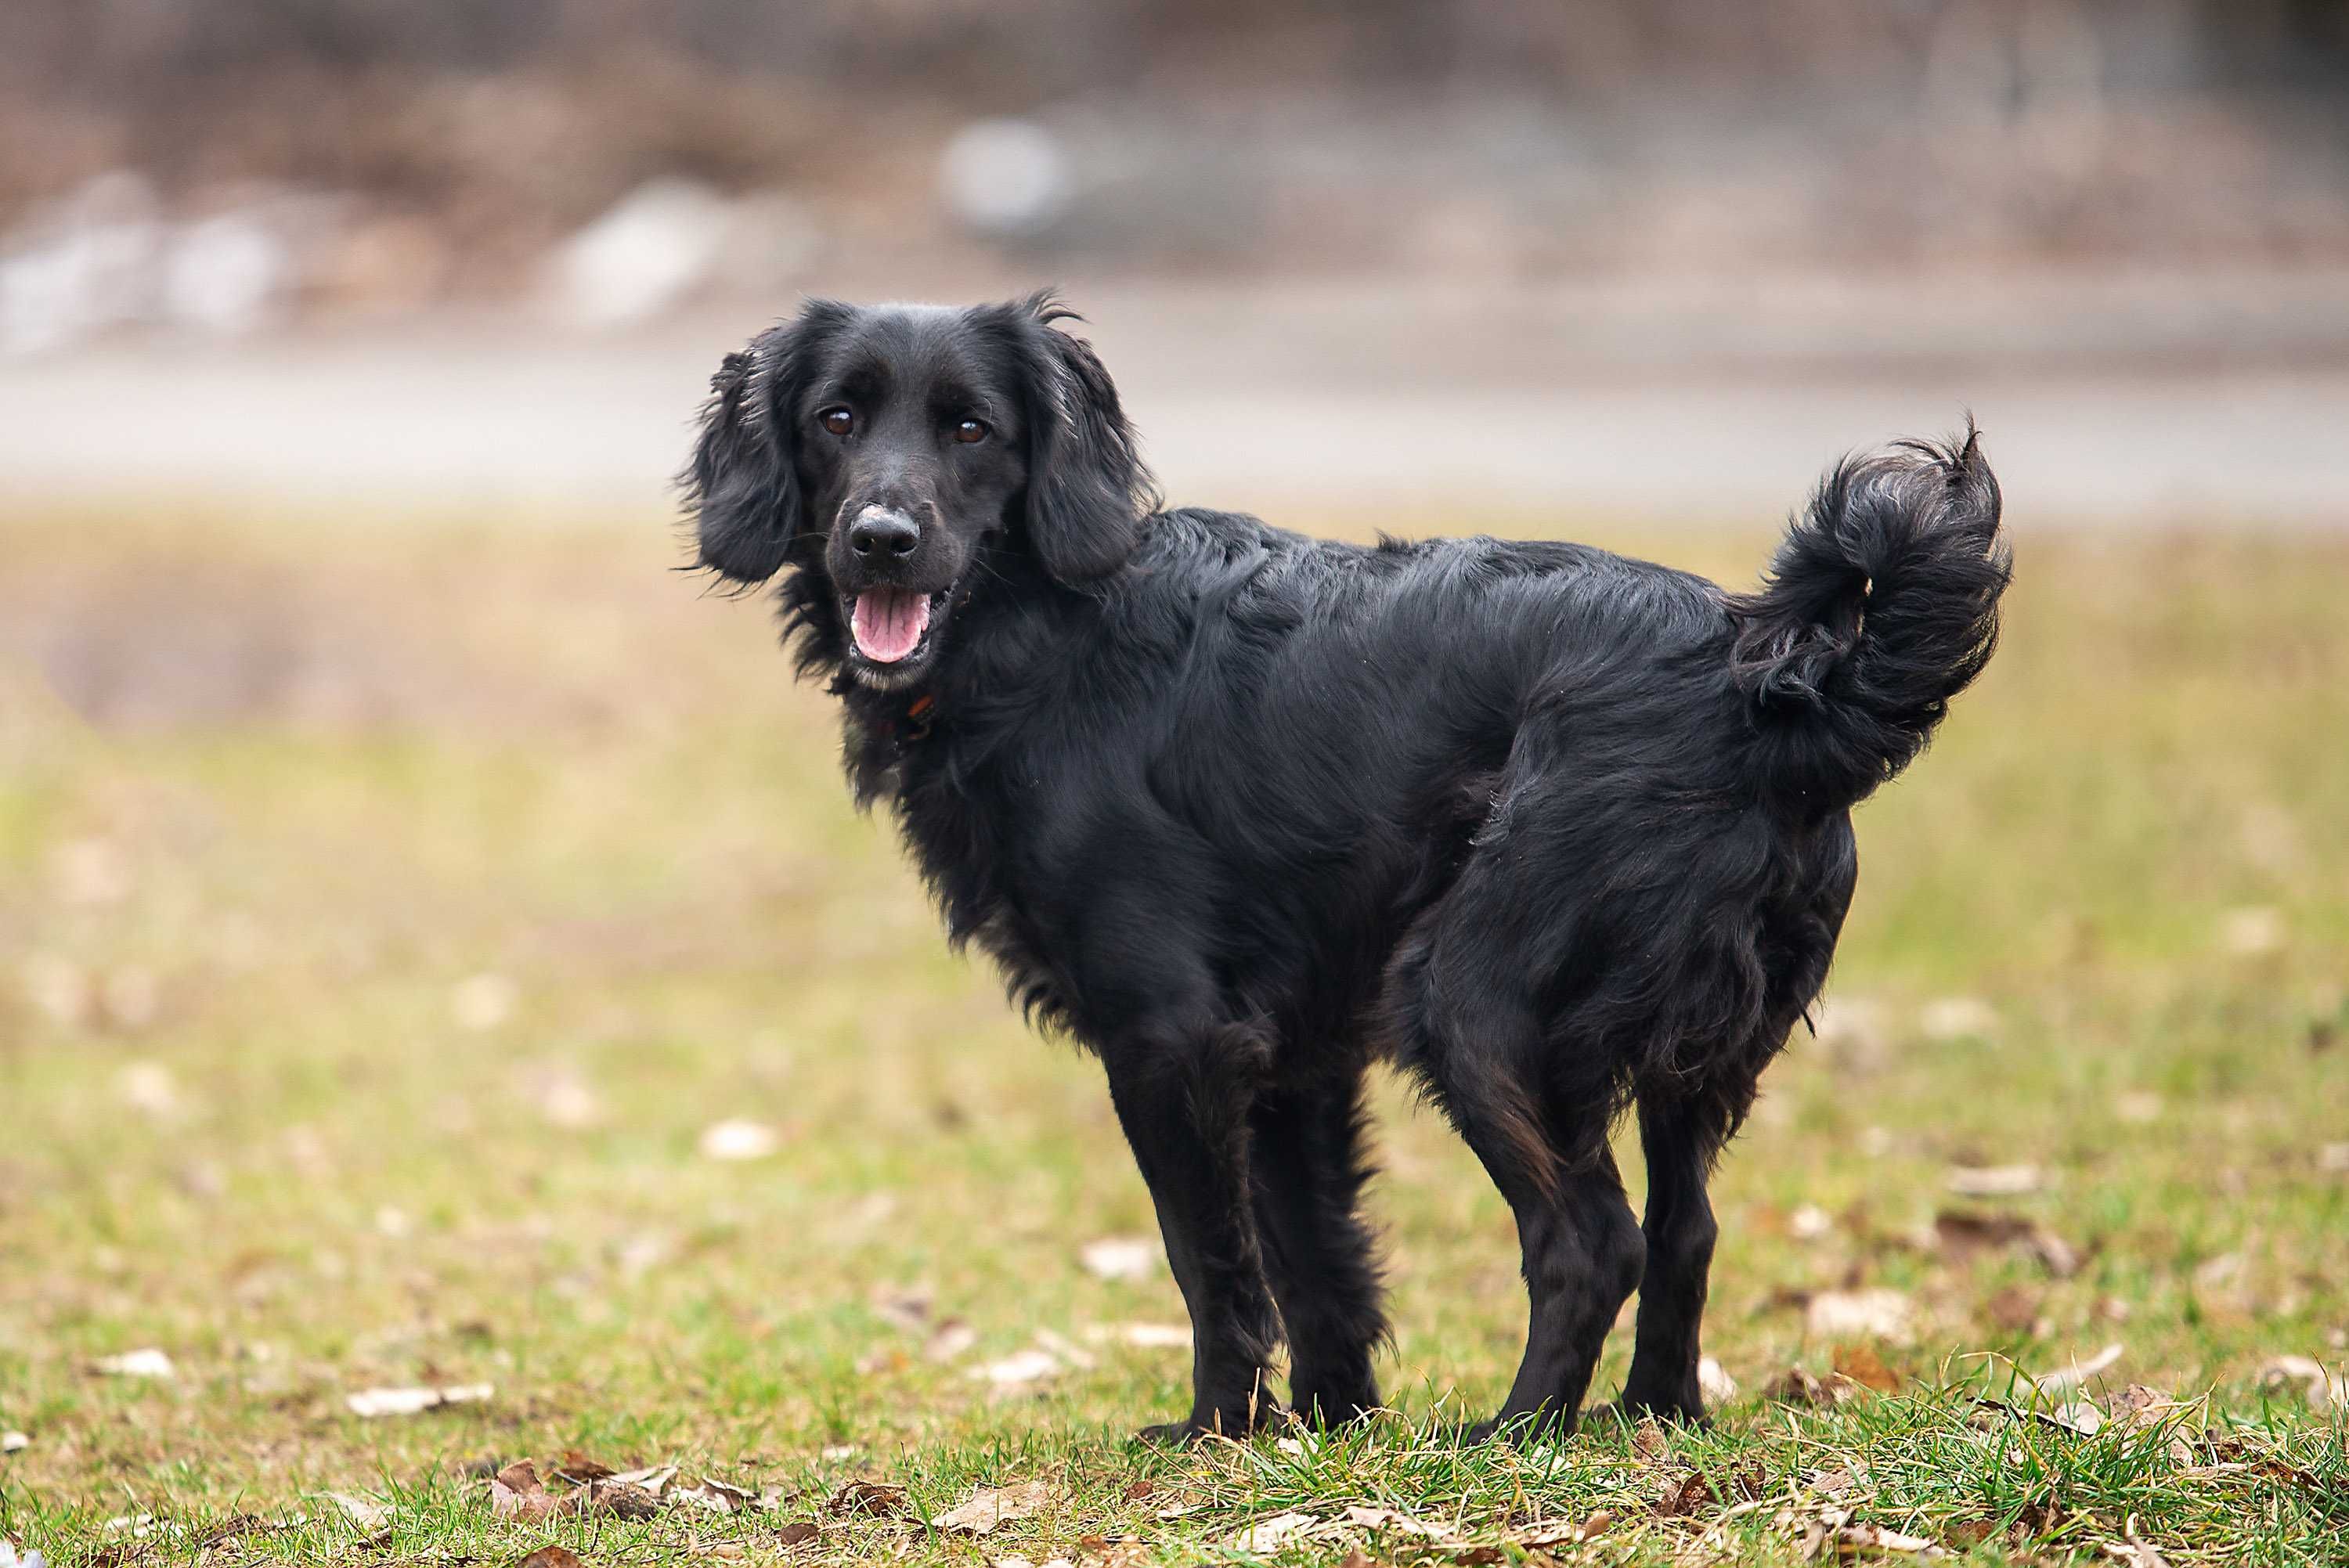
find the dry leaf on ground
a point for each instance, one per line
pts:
(1962, 1232)
(1143, 1335)
(1685, 1497)
(1877, 1314)
(516, 1492)
(2324, 1390)
(736, 1138)
(1543, 1534)
(874, 1498)
(10, 1442)
(1120, 1257)
(148, 1362)
(1994, 1181)
(1715, 1382)
(797, 1533)
(1019, 1368)
(2079, 1372)
(1796, 1385)
(373, 1402)
(578, 1469)
(363, 1511)
(1395, 1522)
(551, 1557)
(988, 1506)
(1860, 1364)
(1267, 1534)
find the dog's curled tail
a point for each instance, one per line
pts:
(1880, 605)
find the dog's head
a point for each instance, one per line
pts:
(886, 451)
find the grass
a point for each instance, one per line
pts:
(390, 909)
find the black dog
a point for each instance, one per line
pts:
(1241, 811)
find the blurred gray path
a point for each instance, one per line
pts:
(2110, 401)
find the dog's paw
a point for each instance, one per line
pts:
(1171, 1434)
(1677, 1410)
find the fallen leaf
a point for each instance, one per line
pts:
(988, 1507)
(1684, 1497)
(483, 1002)
(1877, 1314)
(2324, 1390)
(1143, 1335)
(1993, 1181)
(1948, 1018)
(1268, 1533)
(579, 1469)
(1962, 1232)
(1395, 1522)
(363, 1511)
(11, 1442)
(516, 1492)
(551, 1557)
(908, 1307)
(797, 1533)
(2250, 931)
(739, 1139)
(1863, 1366)
(146, 1363)
(874, 1498)
(717, 1497)
(371, 1402)
(1480, 1556)
(2079, 1372)
(652, 1479)
(1796, 1385)
(2079, 1416)
(1135, 1490)
(1715, 1382)
(2332, 1159)
(1019, 1368)
(1543, 1534)
(1120, 1257)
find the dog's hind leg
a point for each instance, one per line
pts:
(1549, 1155)
(1309, 1166)
(1184, 1097)
(1679, 1139)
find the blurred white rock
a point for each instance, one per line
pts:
(226, 274)
(1005, 177)
(644, 256)
(84, 264)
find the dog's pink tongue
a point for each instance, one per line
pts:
(889, 622)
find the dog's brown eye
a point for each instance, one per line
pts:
(970, 431)
(839, 421)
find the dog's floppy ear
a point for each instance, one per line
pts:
(1087, 489)
(741, 485)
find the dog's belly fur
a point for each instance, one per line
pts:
(1468, 763)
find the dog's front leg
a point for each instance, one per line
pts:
(1182, 1095)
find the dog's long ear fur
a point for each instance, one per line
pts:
(741, 485)
(1087, 488)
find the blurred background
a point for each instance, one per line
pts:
(1664, 256)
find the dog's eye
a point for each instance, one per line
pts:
(839, 421)
(970, 431)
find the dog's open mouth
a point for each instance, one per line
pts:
(891, 625)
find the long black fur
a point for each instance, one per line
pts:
(1555, 831)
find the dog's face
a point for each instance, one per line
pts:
(913, 440)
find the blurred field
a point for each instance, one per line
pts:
(391, 908)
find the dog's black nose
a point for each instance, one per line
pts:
(888, 532)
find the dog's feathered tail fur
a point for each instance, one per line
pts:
(1880, 605)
